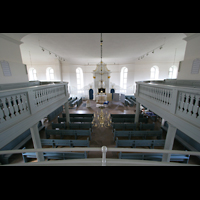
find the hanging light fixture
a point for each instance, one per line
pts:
(101, 119)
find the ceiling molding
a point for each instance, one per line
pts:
(10, 39)
(190, 37)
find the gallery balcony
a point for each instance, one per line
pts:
(176, 101)
(24, 106)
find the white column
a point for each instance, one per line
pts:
(169, 141)
(61, 73)
(137, 112)
(36, 141)
(67, 113)
(163, 121)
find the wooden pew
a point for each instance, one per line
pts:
(62, 133)
(130, 120)
(55, 155)
(58, 125)
(146, 126)
(75, 119)
(81, 126)
(78, 115)
(125, 115)
(140, 143)
(66, 143)
(143, 134)
(117, 126)
(154, 157)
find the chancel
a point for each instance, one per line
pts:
(147, 86)
(101, 76)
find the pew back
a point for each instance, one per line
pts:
(144, 134)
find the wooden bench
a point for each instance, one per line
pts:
(140, 143)
(146, 126)
(81, 126)
(66, 143)
(55, 155)
(58, 125)
(76, 126)
(154, 157)
(125, 116)
(117, 126)
(130, 120)
(62, 133)
(78, 115)
(75, 119)
(144, 134)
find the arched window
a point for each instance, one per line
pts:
(79, 78)
(154, 72)
(32, 74)
(123, 79)
(172, 73)
(50, 73)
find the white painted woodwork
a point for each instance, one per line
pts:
(101, 161)
(179, 105)
(23, 107)
(169, 141)
(36, 141)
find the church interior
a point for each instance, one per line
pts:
(99, 99)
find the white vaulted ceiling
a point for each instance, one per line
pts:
(84, 48)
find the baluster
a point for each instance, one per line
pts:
(179, 102)
(198, 104)
(12, 101)
(5, 109)
(160, 95)
(11, 109)
(170, 97)
(188, 103)
(2, 113)
(8, 107)
(47, 94)
(192, 104)
(184, 100)
(36, 98)
(22, 104)
(18, 103)
(24, 97)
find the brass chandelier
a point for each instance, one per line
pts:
(101, 119)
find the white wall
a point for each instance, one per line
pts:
(41, 71)
(141, 71)
(10, 52)
(192, 52)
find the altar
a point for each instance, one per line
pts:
(101, 98)
(101, 76)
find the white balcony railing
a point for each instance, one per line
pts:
(21, 108)
(103, 161)
(178, 105)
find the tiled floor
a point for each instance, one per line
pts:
(101, 136)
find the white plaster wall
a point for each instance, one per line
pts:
(192, 52)
(10, 52)
(41, 71)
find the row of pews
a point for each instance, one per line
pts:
(142, 134)
(77, 134)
